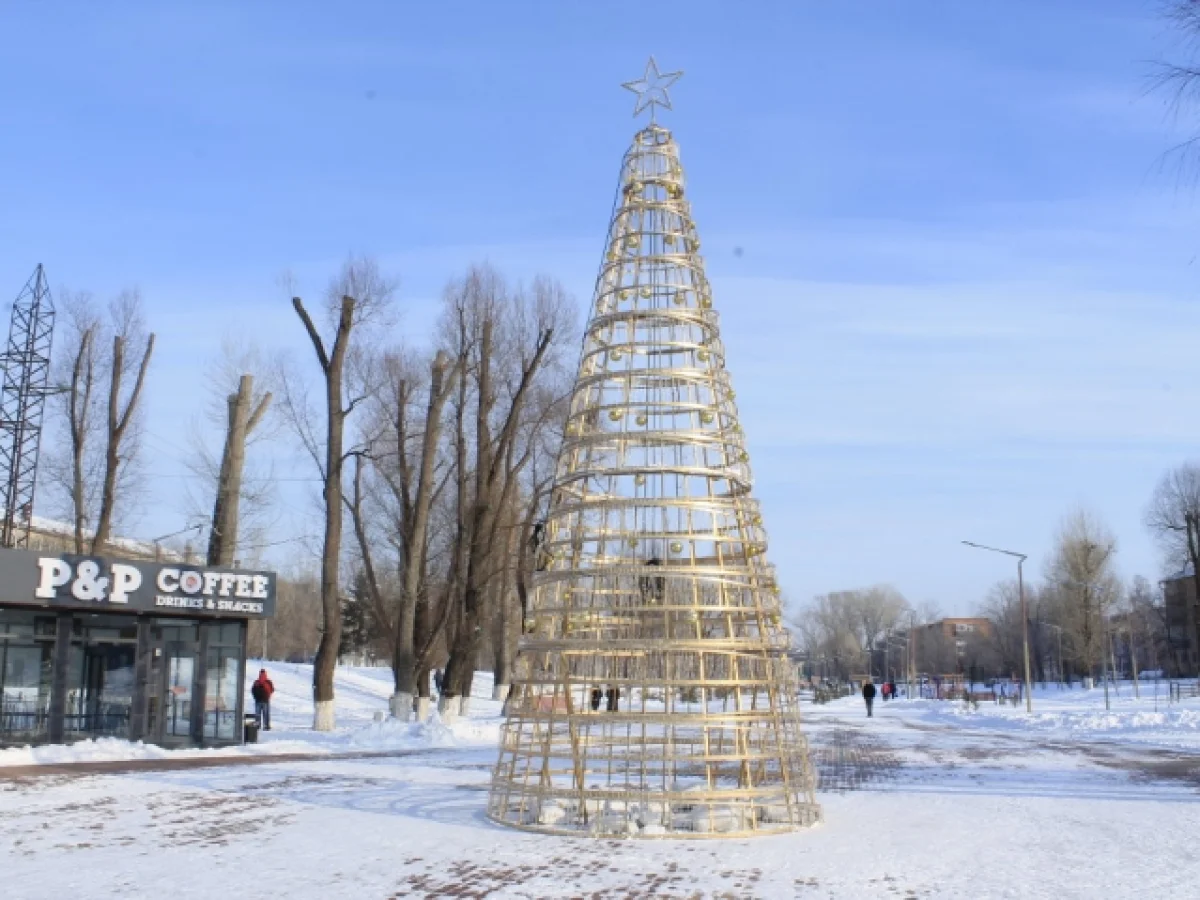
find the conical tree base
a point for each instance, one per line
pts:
(653, 695)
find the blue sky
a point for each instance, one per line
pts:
(967, 295)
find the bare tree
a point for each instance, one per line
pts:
(524, 564)
(95, 469)
(406, 463)
(1174, 519)
(407, 662)
(843, 628)
(332, 364)
(245, 414)
(358, 293)
(1147, 626)
(75, 469)
(1084, 585)
(1003, 609)
(1179, 81)
(510, 336)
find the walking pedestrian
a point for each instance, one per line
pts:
(261, 691)
(868, 692)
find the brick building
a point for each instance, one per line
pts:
(1182, 613)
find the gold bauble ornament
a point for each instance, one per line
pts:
(616, 414)
(641, 419)
(702, 355)
(624, 295)
(614, 354)
(706, 303)
(706, 417)
(676, 547)
(639, 480)
(645, 292)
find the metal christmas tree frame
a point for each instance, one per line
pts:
(653, 696)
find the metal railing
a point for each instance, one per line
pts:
(1183, 690)
(23, 720)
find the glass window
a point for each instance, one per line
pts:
(26, 668)
(109, 629)
(100, 676)
(225, 634)
(180, 674)
(220, 693)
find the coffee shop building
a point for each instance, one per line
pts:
(96, 647)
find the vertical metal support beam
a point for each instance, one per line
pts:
(200, 682)
(141, 675)
(243, 637)
(58, 684)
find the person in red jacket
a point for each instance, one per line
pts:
(261, 691)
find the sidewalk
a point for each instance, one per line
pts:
(126, 766)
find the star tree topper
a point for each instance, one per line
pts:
(652, 89)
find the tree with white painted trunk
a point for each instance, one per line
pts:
(403, 451)
(359, 294)
(511, 338)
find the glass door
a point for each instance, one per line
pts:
(106, 691)
(223, 670)
(171, 681)
(181, 675)
(100, 676)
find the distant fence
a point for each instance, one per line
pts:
(1183, 690)
(826, 692)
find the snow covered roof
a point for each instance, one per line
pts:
(149, 549)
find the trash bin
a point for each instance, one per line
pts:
(250, 729)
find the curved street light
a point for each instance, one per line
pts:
(1021, 557)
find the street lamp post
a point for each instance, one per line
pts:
(1021, 557)
(157, 542)
(912, 659)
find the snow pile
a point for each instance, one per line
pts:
(387, 735)
(361, 698)
(1078, 716)
(391, 734)
(116, 750)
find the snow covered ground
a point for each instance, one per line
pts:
(926, 799)
(361, 694)
(1073, 713)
